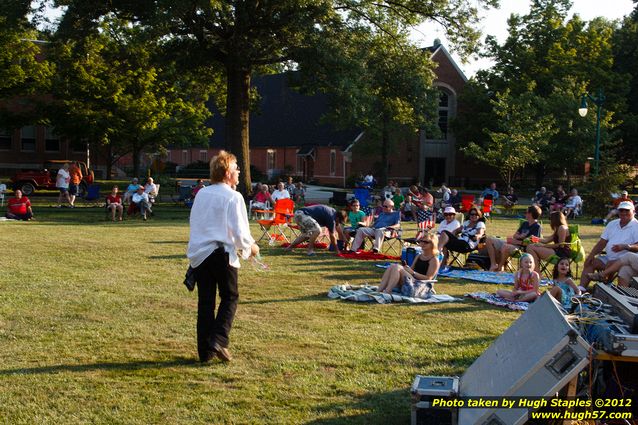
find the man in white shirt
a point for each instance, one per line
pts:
(280, 193)
(62, 183)
(140, 199)
(218, 230)
(619, 237)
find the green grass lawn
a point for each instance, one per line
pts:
(96, 327)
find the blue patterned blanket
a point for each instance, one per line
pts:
(500, 278)
(498, 301)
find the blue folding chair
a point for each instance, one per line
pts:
(92, 194)
(363, 196)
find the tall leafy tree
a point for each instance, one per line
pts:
(24, 71)
(558, 59)
(523, 131)
(242, 35)
(378, 82)
(111, 88)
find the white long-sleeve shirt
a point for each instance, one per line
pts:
(219, 217)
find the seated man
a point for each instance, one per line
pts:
(413, 202)
(539, 195)
(613, 212)
(445, 196)
(574, 204)
(510, 199)
(19, 207)
(280, 193)
(312, 219)
(501, 250)
(387, 221)
(150, 189)
(140, 200)
(490, 193)
(619, 237)
(455, 199)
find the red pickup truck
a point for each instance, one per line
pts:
(31, 180)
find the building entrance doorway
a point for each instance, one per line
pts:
(434, 171)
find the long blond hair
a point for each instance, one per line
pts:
(432, 236)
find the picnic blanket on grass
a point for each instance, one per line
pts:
(500, 278)
(368, 293)
(367, 255)
(498, 301)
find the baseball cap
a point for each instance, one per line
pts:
(449, 210)
(624, 192)
(626, 205)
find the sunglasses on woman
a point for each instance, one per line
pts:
(425, 241)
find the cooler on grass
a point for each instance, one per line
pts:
(424, 390)
(409, 253)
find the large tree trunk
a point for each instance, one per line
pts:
(385, 143)
(237, 121)
(109, 161)
(136, 161)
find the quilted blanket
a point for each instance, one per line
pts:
(500, 278)
(498, 301)
(368, 293)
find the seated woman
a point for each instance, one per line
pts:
(501, 250)
(262, 199)
(114, 204)
(424, 267)
(555, 244)
(470, 233)
(449, 223)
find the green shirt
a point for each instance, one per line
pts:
(356, 217)
(398, 200)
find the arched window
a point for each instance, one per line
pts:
(444, 112)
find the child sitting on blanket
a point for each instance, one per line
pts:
(424, 267)
(564, 287)
(526, 282)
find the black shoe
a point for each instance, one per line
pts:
(206, 357)
(189, 279)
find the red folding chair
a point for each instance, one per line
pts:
(275, 229)
(487, 208)
(466, 202)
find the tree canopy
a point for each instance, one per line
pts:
(238, 37)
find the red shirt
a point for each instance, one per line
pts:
(18, 206)
(114, 199)
(260, 197)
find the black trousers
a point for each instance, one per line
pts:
(213, 274)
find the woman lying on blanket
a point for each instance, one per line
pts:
(424, 267)
(526, 282)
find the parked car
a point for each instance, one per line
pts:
(29, 181)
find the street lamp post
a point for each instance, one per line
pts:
(598, 101)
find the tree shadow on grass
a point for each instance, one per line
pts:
(105, 366)
(391, 407)
(317, 297)
(167, 257)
